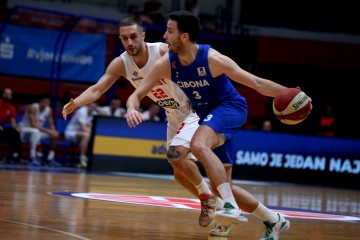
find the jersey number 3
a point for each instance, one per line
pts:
(197, 95)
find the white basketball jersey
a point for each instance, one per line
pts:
(41, 117)
(166, 93)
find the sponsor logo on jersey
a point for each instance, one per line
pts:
(136, 77)
(194, 204)
(201, 71)
(169, 103)
(193, 84)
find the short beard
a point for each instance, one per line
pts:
(137, 52)
(177, 48)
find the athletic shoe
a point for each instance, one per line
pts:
(34, 162)
(220, 230)
(39, 154)
(229, 214)
(54, 163)
(208, 207)
(274, 230)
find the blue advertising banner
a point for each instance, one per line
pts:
(30, 52)
(297, 158)
(266, 156)
(288, 151)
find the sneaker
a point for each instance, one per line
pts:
(229, 214)
(274, 230)
(39, 154)
(54, 163)
(220, 230)
(208, 207)
(34, 162)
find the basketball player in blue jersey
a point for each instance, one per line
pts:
(204, 75)
(133, 64)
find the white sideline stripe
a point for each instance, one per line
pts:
(158, 198)
(182, 206)
(49, 229)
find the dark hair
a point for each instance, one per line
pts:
(187, 22)
(129, 21)
(46, 95)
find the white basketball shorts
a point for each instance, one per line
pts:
(183, 135)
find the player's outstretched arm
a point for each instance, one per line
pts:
(220, 64)
(113, 72)
(161, 69)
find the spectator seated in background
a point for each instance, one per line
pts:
(9, 133)
(79, 129)
(152, 113)
(114, 109)
(327, 126)
(33, 130)
(266, 125)
(154, 10)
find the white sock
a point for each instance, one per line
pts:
(226, 194)
(32, 154)
(265, 214)
(51, 155)
(83, 157)
(203, 187)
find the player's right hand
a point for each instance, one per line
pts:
(68, 108)
(134, 118)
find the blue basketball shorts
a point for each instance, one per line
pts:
(227, 118)
(225, 153)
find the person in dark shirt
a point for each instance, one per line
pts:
(9, 130)
(328, 122)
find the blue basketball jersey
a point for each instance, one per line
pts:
(215, 100)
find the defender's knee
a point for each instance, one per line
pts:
(176, 154)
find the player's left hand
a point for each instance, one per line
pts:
(68, 108)
(134, 118)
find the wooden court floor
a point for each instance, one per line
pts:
(28, 211)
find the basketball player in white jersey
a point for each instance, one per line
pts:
(33, 130)
(133, 64)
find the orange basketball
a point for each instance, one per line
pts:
(291, 106)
